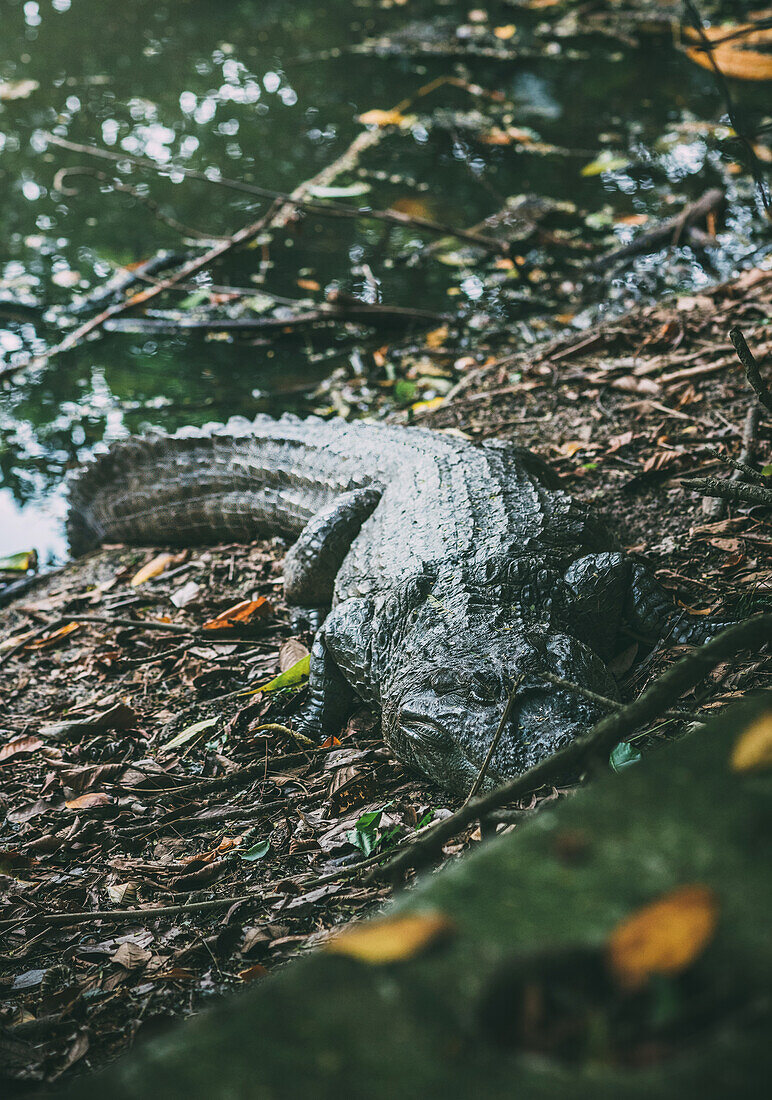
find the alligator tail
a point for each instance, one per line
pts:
(237, 482)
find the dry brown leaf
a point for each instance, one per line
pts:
(291, 652)
(90, 801)
(252, 972)
(19, 745)
(159, 564)
(243, 613)
(308, 284)
(131, 956)
(735, 56)
(663, 937)
(506, 32)
(54, 637)
(381, 118)
(753, 749)
(390, 939)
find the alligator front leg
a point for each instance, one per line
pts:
(339, 672)
(651, 612)
(312, 563)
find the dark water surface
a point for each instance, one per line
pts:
(233, 88)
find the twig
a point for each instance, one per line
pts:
(118, 915)
(30, 637)
(126, 189)
(680, 677)
(242, 236)
(729, 490)
(297, 199)
(753, 160)
(495, 741)
(752, 372)
(740, 468)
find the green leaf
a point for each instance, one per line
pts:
(292, 677)
(257, 851)
(189, 733)
(766, 471)
(19, 563)
(606, 162)
(623, 755)
(197, 298)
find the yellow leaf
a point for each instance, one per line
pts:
(437, 337)
(733, 55)
(382, 118)
(390, 939)
(243, 612)
(753, 749)
(505, 32)
(663, 937)
(154, 568)
(427, 406)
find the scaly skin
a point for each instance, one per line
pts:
(450, 572)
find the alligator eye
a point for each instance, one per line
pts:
(484, 687)
(443, 681)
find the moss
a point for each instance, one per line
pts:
(546, 896)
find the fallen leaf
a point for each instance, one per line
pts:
(663, 937)
(506, 32)
(159, 564)
(257, 851)
(90, 801)
(381, 118)
(753, 749)
(189, 733)
(131, 956)
(19, 745)
(19, 563)
(243, 612)
(390, 939)
(308, 284)
(252, 972)
(734, 57)
(606, 162)
(54, 637)
(437, 337)
(294, 676)
(185, 595)
(291, 652)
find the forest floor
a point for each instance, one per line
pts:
(144, 767)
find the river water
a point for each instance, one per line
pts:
(270, 93)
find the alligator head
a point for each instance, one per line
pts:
(442, 712)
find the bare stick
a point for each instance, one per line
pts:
(300, 197)
(666, 689)
(116, 916)
(753, 161)
(752, 372)
(729, 490)
(740, 468)
(495, 741)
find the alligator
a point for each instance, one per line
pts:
(447, 579)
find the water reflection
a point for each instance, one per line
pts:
(225, 90)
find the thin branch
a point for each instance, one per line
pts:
(752, 372)
(495, 741)
(753, 161)
(729, 490)
(117, 916)
(327, 209)
(665, 690)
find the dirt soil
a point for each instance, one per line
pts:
(143, 767)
